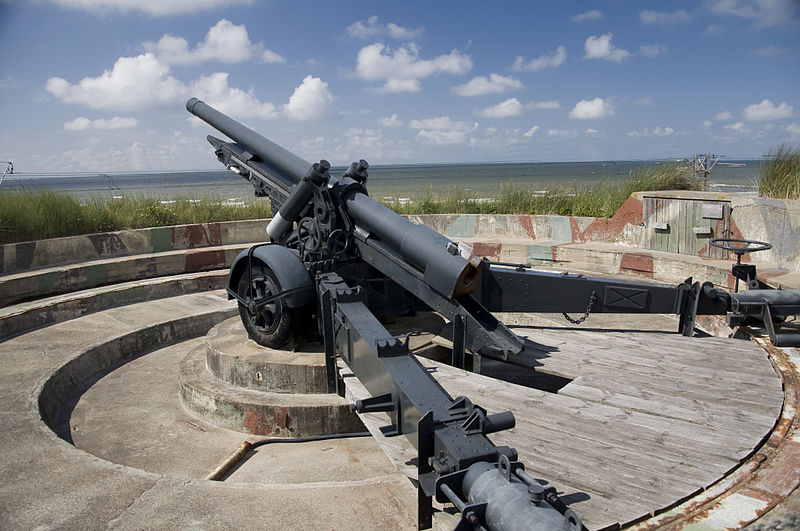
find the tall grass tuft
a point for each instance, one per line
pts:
(28, 216)
(599, 200)
(779, 176)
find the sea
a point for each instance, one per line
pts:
(386, 182)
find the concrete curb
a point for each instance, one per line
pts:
(15, 320)
(235, 359)
(261, 412)
(29, 285)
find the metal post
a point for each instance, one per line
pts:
(459, 340)
(329, 340)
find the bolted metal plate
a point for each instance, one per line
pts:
(625, 298)
(712, 210)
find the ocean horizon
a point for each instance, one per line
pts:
(385, 182)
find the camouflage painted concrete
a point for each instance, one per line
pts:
(69, 250)
(18, 287)
(233, 383)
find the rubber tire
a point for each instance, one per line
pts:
(279, 331)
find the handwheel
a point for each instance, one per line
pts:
(267, 319)
(747, 246)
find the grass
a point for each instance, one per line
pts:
(26, 216)
(599, 200)
(779, 176)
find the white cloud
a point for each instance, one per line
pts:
(78, 124)
(532, 131)
(794, 130)
(766, 111)
(504, 109)
(553, 60)
(133, 83)
(647, 101)
(664, 19)
(594, 14)
(652, 50)
(707, 123)
(443, 130)
(359, 140)
(543, 106)
(372, 28)
(591, 109)
(765, 13)
(480, 86)
(738, 126)
(770, 51)
(149, 7)
(591, 131)
(601, 48)
(656, 131)
(215, 90)
(724, 116)
(309, 100)
(401, 70)
(143, 82)
(117, 122)
(225, 42)
(715, 29)
(391, 121)
(561, 132)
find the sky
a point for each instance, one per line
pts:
(101, 85)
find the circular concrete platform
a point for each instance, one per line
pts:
(234, 383)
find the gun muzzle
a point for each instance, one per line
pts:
(269, 152)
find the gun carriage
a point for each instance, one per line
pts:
(337, 262)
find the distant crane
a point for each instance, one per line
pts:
(8, 171)
(705, 163)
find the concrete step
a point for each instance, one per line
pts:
(19, 318)
(260, 412)
(238, 360)
(34, 284)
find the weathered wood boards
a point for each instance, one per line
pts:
(648, 419)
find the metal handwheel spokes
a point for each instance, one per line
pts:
(747, 246)
(744, 247)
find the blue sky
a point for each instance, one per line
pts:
(100, 85)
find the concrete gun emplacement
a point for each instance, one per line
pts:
(337, 261)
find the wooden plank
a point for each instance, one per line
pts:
(648, 419)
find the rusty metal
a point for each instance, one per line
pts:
(768, 476)
(230, 461)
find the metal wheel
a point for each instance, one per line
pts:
(267, 319)
(745, 246)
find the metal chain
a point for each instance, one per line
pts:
(592, 300)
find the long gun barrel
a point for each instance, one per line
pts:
(281, 159)
(447, 268)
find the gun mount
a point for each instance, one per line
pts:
(337, 261)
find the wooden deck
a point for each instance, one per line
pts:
(646, 419)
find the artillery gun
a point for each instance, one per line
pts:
(337, 262)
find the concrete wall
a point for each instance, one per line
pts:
(513, 238)
(72, 249)
(775, 221)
